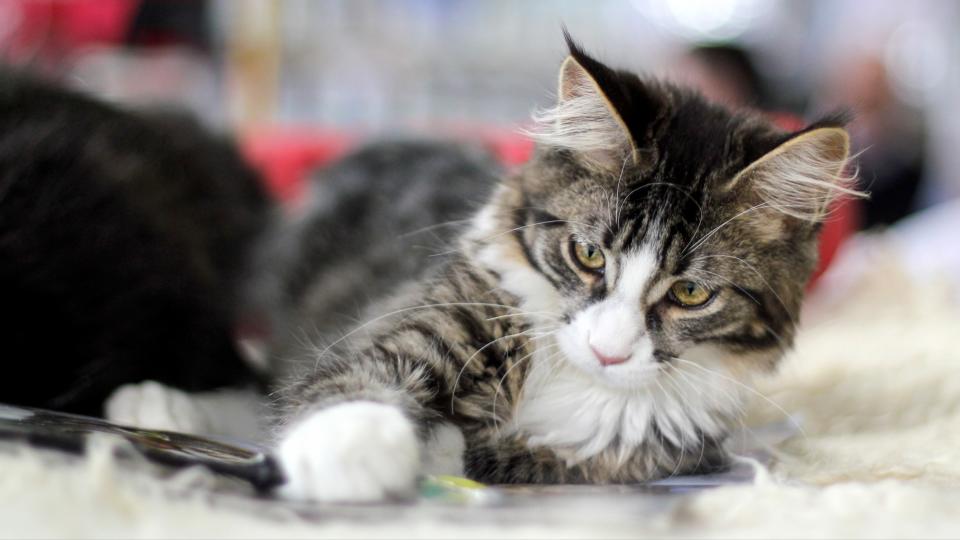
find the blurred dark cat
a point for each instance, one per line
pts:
(380, 217)
(123, 241)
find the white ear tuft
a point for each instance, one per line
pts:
(583, 119)
(801, 177)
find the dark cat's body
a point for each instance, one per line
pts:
(598, 321)
(123, 238)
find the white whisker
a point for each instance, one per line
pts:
(456, 382)
(691, 249)
(336, 342)
(755, 271)
(515, 229)
(496, 393)
(745, 387)
(434, 227)
(616, 196)
(546, 314)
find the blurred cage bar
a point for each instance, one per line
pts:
(387, 66)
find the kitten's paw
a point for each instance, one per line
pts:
(355, 451)
(151, 405)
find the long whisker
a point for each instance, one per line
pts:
(456, 382)
(735, 401)
(784, 347)
(703, 437)
(745, 387)
(547, 314)
(496, 393)
(753, 269)
(679, 460)
(428, 228)
(781, 342)
(699, 223)
(654, 414)
(552, 360)
(732, 284)
(691, 249)
(616, 196)
(405, 310)
(732, 399)
(515, 229)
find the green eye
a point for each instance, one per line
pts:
(588, 256)
(689, 294)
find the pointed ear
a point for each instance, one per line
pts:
(585, 121)
(801, 177)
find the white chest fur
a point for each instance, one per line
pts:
(563, 408)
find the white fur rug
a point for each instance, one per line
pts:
(874, 382)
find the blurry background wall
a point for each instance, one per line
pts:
(385, 66)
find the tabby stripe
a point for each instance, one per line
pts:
(521, 239)
(762, 302)
(634, 235)
(479, 340)
(444, 349)
(432, 385)
(544, 218)
(750, 341)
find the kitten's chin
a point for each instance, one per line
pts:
(629, 378)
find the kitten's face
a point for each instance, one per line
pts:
(669, 230)
(639, 282)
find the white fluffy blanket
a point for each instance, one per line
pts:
(874, 381)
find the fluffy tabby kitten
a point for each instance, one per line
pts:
(600, 317)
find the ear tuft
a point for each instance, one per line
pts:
(583, 120)
(801, 177)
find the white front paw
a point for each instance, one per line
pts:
(151, 405)
(355, 451)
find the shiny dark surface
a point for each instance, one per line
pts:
(70, 433)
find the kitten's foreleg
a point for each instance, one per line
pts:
(357, 429)
(352, 451)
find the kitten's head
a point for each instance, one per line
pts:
(661, 228)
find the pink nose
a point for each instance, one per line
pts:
(608, 360)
